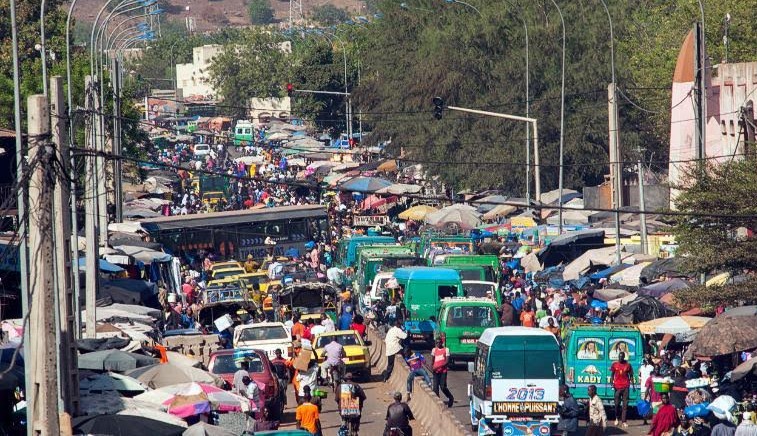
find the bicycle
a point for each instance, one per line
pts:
(394, 431)
(350, 426)
(336, 375)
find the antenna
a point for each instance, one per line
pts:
(295, 13)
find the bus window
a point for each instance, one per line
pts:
(447, 291)
(622, 345)
(590, 349)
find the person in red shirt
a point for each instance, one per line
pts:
(527, 317)
(308, 334)
(298, 329)
(622, 380)
(357, 325)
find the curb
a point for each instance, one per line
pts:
(427, 407)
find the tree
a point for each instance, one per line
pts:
(260, 12)
(329, 14)
(716, 232)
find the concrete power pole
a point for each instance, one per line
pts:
(43, 386)
(90, 215)
(66, 304)
(616, 176)
(117, 164)
(642, 206)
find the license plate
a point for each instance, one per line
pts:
(467, 341)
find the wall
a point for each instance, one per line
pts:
(193, 79)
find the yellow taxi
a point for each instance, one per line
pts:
(227, 272)
(226, 264)
(257, 278)
(357, 358)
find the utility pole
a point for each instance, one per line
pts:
(117, 164)
(44, 365)
(616, 176)
(90, 214)
(101, 172)
(701, 94)
(642, 205)
(66, 303)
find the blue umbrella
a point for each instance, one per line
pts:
(104, 265)
(365, 184)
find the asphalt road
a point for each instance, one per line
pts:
(373, 419)
(458, 378)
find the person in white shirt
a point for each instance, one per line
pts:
(327, 323)
(394, 338)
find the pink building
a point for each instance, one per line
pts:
(730, 87)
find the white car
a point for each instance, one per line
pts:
(265, 336)
(201, 150)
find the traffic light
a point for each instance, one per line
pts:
(438, 107)
(290, 89)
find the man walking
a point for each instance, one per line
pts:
(569, 412)
(440, 355)
(621, 377)
(597, 418)
(399, 415)
(394, 338)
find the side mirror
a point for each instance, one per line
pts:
(470, 367)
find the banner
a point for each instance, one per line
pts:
(370, 221)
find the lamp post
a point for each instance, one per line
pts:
(562, 124)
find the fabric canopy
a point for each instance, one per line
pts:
(597, 257)
(104, 265)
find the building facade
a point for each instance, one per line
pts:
(194, 79)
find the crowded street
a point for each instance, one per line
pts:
(377, 218)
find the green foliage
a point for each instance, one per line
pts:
(255, 66)
(329, 14)
(260, 12)
(723, 198)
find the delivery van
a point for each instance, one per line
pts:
(590, 350)
(423, 291)
(515, 387)
(461, 322)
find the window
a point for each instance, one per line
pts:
(470, 274)
(225, 364)
(263, 334)
(471, 316)
(525, 364)
(622, 345)
(447, 291)
(344, 340)
(480, 290)
(590, 349)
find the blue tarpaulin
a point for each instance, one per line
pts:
(105, 266)
(607, 272)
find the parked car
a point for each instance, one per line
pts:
(265, 336)
(223, 364)
(201, 150)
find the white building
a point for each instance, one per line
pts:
(263, 110)
(194, 79)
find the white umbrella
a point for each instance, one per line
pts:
(250, 160)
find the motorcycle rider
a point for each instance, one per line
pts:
(398, 416)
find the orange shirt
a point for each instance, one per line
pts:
(307, 415)
(298, 329)
(527, 319)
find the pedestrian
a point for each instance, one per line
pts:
(357, 325)
(724, 427)
(569, 413)
(440, 355)
(415, 361)
(508, 312)
(345, 319)
(597, 418)
(622, 379)
(393, 340)
(527, 316)
(666, 419)
(237, 383)
(552, 328)
(308, 417)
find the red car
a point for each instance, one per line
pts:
(261, 371)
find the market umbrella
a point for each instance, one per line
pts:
(124, 425)
(105, 266)
(205, 429)
(111, 382)
(110, 403)
(113, 360)
(365, 184)
(500, 210)
(489, 202)
(462, 215)
(167, 374)
(744, 369)
(673, 325)
(725, 335)
(417, 213)
(186, 399)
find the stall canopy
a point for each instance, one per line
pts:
(725, 335)
(144, 255)
(417, 213)
(671, 267)
(594, 260)
(103, 264)
(400, 189)
(659, 289)
(129, 291)
(607, 272)
(569, 246)
(642, 308)
(629, 276)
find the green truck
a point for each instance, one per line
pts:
(461, 322)
(347, 249)
(589, 352)
(372, 259)
(424, 289)
(489, 262)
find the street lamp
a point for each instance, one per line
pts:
(562, 123)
